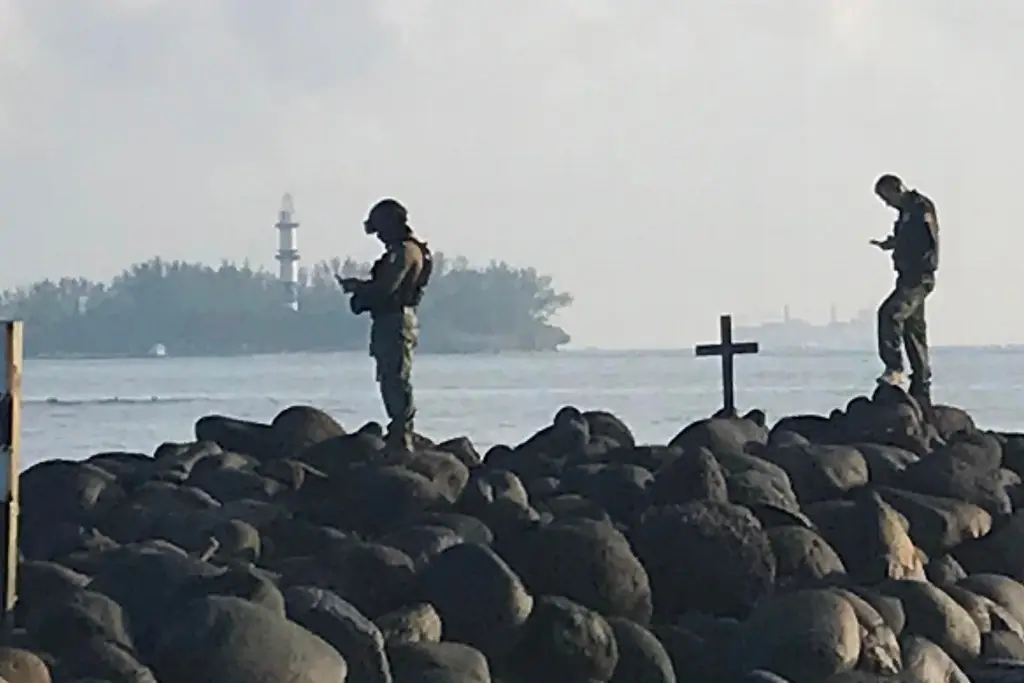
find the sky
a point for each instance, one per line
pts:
(664, 160)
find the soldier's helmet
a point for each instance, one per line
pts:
(385, 213)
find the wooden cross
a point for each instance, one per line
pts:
(727, 349)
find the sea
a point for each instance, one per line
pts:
(75, 408)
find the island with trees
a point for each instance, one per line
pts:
(191, 309)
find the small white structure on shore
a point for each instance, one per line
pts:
(288, 252)
(158, 351)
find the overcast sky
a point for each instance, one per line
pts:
(664, 160)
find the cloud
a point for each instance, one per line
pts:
(665, 160)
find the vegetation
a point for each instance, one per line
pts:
(194, 309)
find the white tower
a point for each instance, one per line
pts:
(287, 252)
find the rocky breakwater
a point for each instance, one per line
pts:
(862, 546)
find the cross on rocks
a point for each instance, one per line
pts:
(727, 349)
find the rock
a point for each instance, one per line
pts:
(820, 472)
(693, 476)
(870, 545)
(341, 625)
(481, 602)
(944, 571)
(641, 656)
(870, 538)
(298, 427)
(586, 561)
(566, 642)
(925, 661)
(805, 637)
(233, 641)
(803, 558)
(103, 660)
(419, 623)
(240, 436)
(438, 663)
(945, 475)
(1002, 590)
(937, 525)
(934, 615)
(422, 543)
(603, 423)
(22, 666)
(619, 488)
(77, 617)
(722, 550)
(879, 647)
(463, 449)
(999, 552)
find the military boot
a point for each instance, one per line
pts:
(893, 378)
(399, 442)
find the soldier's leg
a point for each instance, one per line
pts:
(892, 317)
(915, 340)
(394, 364)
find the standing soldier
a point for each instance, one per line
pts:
(391, 295)
(914, 244)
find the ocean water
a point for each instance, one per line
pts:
(74, 408)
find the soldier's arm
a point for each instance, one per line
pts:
(387, 278)
(888, 244)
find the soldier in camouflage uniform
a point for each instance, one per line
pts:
(391, 295)
(914, 244)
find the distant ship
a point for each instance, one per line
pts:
(855, 334)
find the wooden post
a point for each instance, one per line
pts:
(10, 429)
(727, 349)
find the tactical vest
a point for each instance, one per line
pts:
(917, 238)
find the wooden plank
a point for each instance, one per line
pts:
(10, 432)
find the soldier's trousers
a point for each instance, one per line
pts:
(901, 324)
(393, 340)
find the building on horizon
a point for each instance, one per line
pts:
(854, 334)
(287, 252)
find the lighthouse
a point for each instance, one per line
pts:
(287, 252)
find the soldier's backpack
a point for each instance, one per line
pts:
(416, 295)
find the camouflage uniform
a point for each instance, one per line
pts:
(394, 333)
(901, 317)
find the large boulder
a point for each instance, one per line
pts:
(230, 640)
(705, 557)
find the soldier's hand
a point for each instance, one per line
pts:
(348, 284)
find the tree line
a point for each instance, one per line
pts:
(197, 309)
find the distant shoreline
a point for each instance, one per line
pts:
(683, 351)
